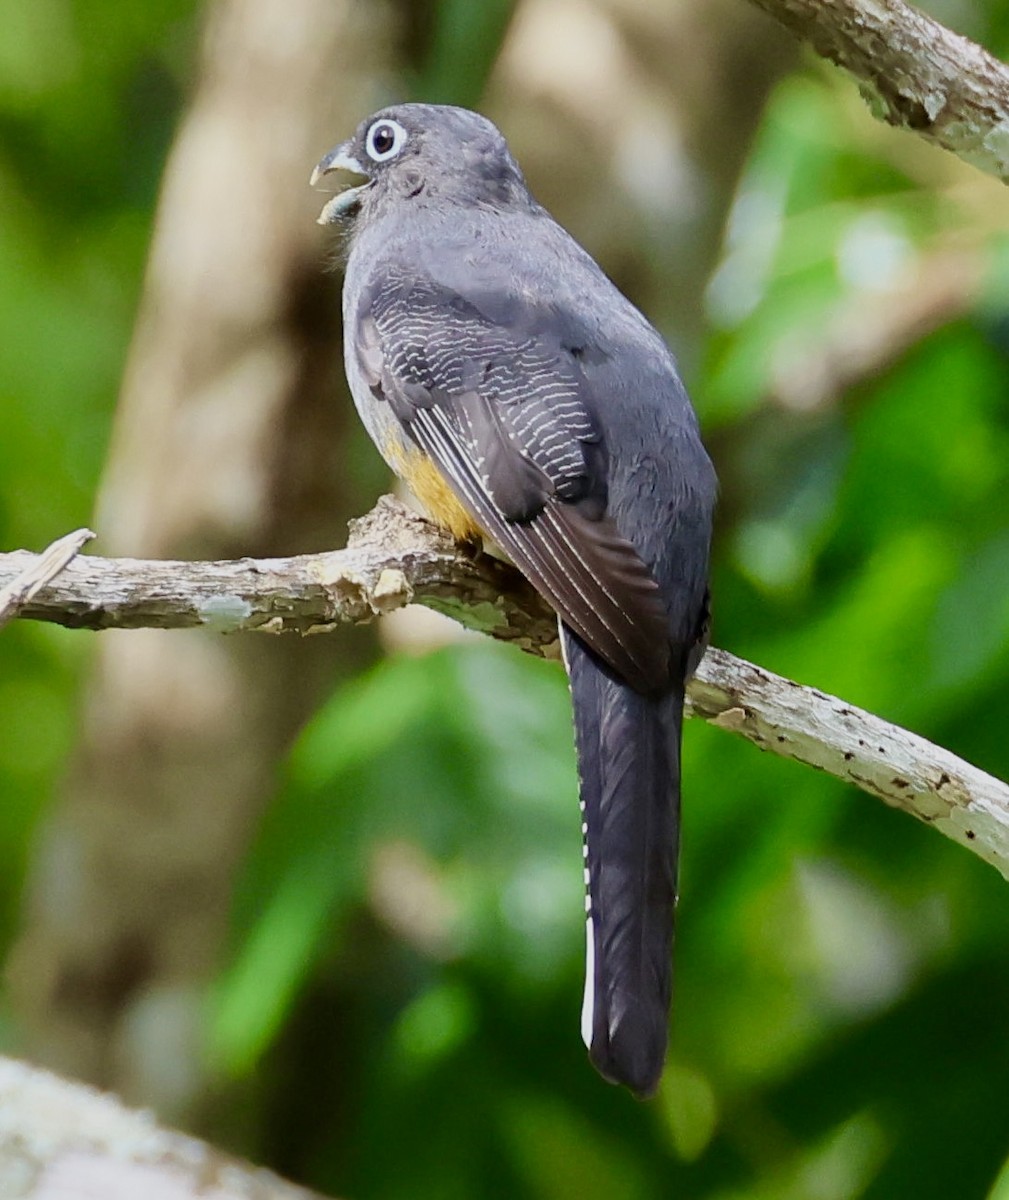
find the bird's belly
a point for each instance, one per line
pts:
(428, 484)
(417, 471)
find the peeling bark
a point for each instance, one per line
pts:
(915, 73)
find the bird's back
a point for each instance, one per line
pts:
(523, 271)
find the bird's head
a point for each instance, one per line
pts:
(419, 151)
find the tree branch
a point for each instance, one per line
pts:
(915, 73)
(42, 569)
(64, 1141)
(395, 558)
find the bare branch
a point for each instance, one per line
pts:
(395, 558)
(64, 1141)
(41, 571)
(916, 74)
(902, 769)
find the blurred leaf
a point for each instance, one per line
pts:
(254, 998)
(434, 1025)
(690, 1108)
(970, 637)
(839, 1167)
(563, 1158)
(465, 41)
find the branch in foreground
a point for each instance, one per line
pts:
(917, 74)
(64, 1141)
(395, 558)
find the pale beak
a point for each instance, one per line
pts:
(341, 204)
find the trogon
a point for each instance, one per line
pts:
(526, 401)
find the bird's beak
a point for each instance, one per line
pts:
(341, 204)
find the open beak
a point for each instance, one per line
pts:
(343, 202)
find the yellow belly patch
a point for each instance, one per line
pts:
(428, 484)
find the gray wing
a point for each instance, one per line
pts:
(495, 392)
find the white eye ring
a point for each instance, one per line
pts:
(385, 140)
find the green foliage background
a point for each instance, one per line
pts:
(841, 1022)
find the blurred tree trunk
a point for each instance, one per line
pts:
(231, 438)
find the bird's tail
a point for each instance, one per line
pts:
(629, 767)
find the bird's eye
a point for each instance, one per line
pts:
(385, 140)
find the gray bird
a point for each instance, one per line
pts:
(525, 400)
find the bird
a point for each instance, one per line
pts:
(526, 402)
